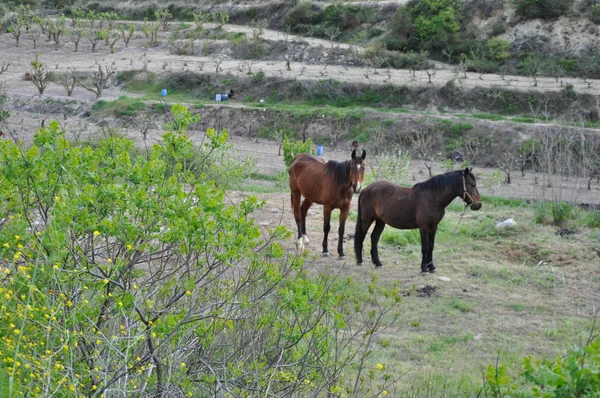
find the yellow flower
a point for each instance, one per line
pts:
(183, 364)
(19, 246)
(16, 331)
(96, 233)
(135, 286)
(6, 244)
(105, 281)
(17, 237)
(129, 247)
(120, 304)
(94, 387)
(379, 366)
(188, 293)
(384, 393)
(108, 260)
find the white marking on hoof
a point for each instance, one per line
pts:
(326, 254)
(305, 238)
(424, 273)
(360, 264)
(300, 244)
(342, 258)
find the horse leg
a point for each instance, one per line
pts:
(425, 243)
(306, 204)
(326, 228)
(430, 265)
(377, 231)
(297, 216)
(364, 220)
(343, 216)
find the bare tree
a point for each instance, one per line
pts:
(34, 33)
(425, 140)
(99, 80)
(4, 67)
(218, 60)
(68, 79)
(508, 162)
(332, 32)
(76, 33)
(94, 36)
(127, 33)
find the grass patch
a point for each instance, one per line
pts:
(122, 107)
(401, 238)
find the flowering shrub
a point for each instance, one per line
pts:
(128, 274)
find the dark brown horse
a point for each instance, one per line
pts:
(422, 206)
(330, 184)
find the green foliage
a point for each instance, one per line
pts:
(131, 274)
(561, 212)
(292, 148)
(544, 9)
(434, 16)
(575, 375)
(594, 14)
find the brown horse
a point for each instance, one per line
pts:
(330, 184)
(422, 206)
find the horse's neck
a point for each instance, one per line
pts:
(447, 196)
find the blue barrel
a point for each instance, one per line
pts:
(218, 98)
(224, 97)
(320, 150)
(163, 92)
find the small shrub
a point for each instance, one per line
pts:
(575, 375)
(544, 9)
(561, 212)
(302, 14)
(594, 14)
(292, 148)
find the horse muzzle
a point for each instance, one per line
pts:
(356, 188)
(476, 206)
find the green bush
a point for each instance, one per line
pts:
(434, 16)
(544, 9)
(302, 14)
(594, 14)
(128, 274)
(561, 212)
(575, 375)
(292, 148)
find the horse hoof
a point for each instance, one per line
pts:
(299, 244)
(342, 257)
(424, 273)
(360, 264)
(326, 254)
(379, 265)
(305, 239)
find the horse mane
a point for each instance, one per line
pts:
(340, 170)
(441, 182)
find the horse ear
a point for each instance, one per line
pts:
(466, 171)
(364, 155)
(353, 154)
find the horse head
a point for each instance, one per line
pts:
(470, 193)
(357, 170)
